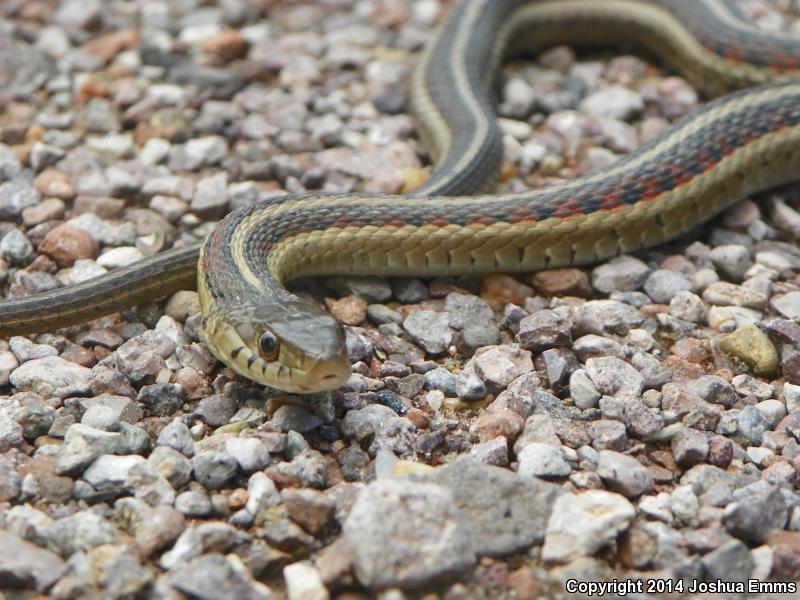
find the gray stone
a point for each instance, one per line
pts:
(83, 444)
(493, 452)
(688, 306)
(613, 102)
(615, 377)
(703, 477)
(713, 389)
(429, 329)
(213, 469)
(437, 543)
(193, 504)
(465, 308)
(177, 436)
(690, 447)
(662, 285)
(756, 510)
(773, 411)
(746, 386)
(365, 422)
(623, 474)
(788, 304)
(505, 512)
(607, 434)
(683, 505)
(81, 531)
(733, 260)
(409, 290)
(500, 365)
(592, 346)
(10, 481)
(291, 417)
(609, 315)
(581, 524)
(371, 289)
(250, 454)
(583, 392)
(216, 410)
(621, 274)
(15, 196)
(52, 376)
(214, 536)
(172, 465)
(469, 386)
(261, 493)
(752, 424)
(25, 565)
(309, 467)
(791, 396)
(653, 371)
(16, 248)
(441, 379)
(110, 473)
(542, 460)
(202, 578)
(380, 314)
(101, 417)
(478, 334)
(732, 562)
(543, 329)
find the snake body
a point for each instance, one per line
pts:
(742, 143)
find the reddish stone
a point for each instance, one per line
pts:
(103, 206)
(504, 423)
(786, 554)
(66, 244)
(562, 282)
(310, 509)
(350, 310)
(228, 45)
(690, 349)
(720, 451)
(108, 46)
(52, 183)
(499, 290)
(651, 310)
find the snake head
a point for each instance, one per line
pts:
(293, 346)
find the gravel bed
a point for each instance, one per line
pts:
(499, 436)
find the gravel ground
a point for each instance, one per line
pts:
(499, 436)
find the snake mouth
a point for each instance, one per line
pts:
(324, 375)
(293, 371)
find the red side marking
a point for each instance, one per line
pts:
(344, 221)
(610, 202)
(520, 214)
(651, 190)
(733, 55)
(483, 220)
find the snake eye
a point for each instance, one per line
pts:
(268, 346)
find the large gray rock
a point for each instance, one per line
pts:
(431, 541)
(52, 376)
(25, 565)
(505, 512)
(205, 576)
(79, 532)
(581, 524)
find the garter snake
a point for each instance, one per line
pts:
(734, 146)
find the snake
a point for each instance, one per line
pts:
(743, 141)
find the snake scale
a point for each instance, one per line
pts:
(741, 143)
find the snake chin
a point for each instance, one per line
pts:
(310, 355)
